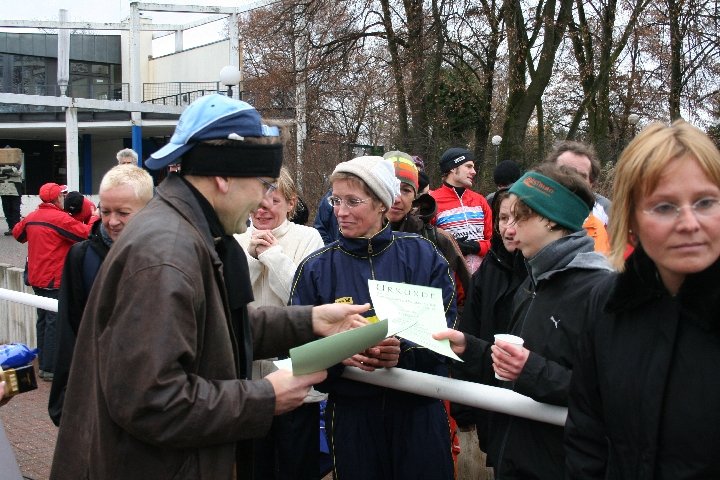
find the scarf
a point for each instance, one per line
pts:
(105, 237)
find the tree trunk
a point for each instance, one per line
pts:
(396, 67)
(676, 58)
(521, 101)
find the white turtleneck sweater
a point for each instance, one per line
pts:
(272, 272)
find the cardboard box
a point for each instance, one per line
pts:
(10, 156)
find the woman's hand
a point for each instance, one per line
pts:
(260, 241)
(385, 354)
(509, 359)
(457, 339)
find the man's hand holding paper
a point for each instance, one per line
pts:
(291, 390)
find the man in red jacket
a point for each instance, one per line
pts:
(460, 211)
(50, 232)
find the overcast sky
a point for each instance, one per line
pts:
(116, 11)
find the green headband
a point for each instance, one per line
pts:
(551, 200)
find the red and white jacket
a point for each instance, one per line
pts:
(50, 232)
(468, 217)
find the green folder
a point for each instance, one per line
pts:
(326, 352)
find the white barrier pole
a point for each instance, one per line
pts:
(466, 393)
(36, 301)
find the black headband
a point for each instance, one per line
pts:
(244, 160)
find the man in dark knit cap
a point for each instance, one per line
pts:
(504, 175)
(160, 384)
(462, 212)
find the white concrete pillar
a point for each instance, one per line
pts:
(72, 150)
(178, 41)
(63, 58)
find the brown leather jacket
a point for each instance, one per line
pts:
(153, 390)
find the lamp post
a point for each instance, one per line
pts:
(230, 75)
(633, 119)
(496, 140)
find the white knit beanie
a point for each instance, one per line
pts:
(377, 173)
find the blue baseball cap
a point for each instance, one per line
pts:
(211, 117)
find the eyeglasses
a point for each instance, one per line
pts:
(668, 212)
(269, 187)
(350, 202)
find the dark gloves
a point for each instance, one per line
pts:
(468, 247)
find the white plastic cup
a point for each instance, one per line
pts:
(506, 337)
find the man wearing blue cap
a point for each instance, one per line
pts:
(160, 384)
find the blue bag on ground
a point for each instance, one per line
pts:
(14, 355)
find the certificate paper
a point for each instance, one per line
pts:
(414, 313)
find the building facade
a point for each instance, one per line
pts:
(99, 68)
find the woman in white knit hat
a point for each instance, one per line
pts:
(374, 432)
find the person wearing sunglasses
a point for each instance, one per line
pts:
(376, 432)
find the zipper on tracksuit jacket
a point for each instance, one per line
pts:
(370, 252)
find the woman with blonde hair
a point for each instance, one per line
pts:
(276, 245)
(644, 396)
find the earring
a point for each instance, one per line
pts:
(632, 238)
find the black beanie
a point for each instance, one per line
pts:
(454, 157)
(506, 172)
(73, 202)
(423, 180)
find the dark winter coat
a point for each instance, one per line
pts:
(81, 266)
(550, 310)
(488, 310)
(644, 400)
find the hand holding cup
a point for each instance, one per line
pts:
(508, 356)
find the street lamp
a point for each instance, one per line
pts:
(496, 140)
(230, 75)
(633, 119)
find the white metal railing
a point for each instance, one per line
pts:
(495, 399)
(29, 299)
(472, 394)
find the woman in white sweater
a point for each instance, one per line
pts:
(275, 246)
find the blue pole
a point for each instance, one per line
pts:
(137, 143)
